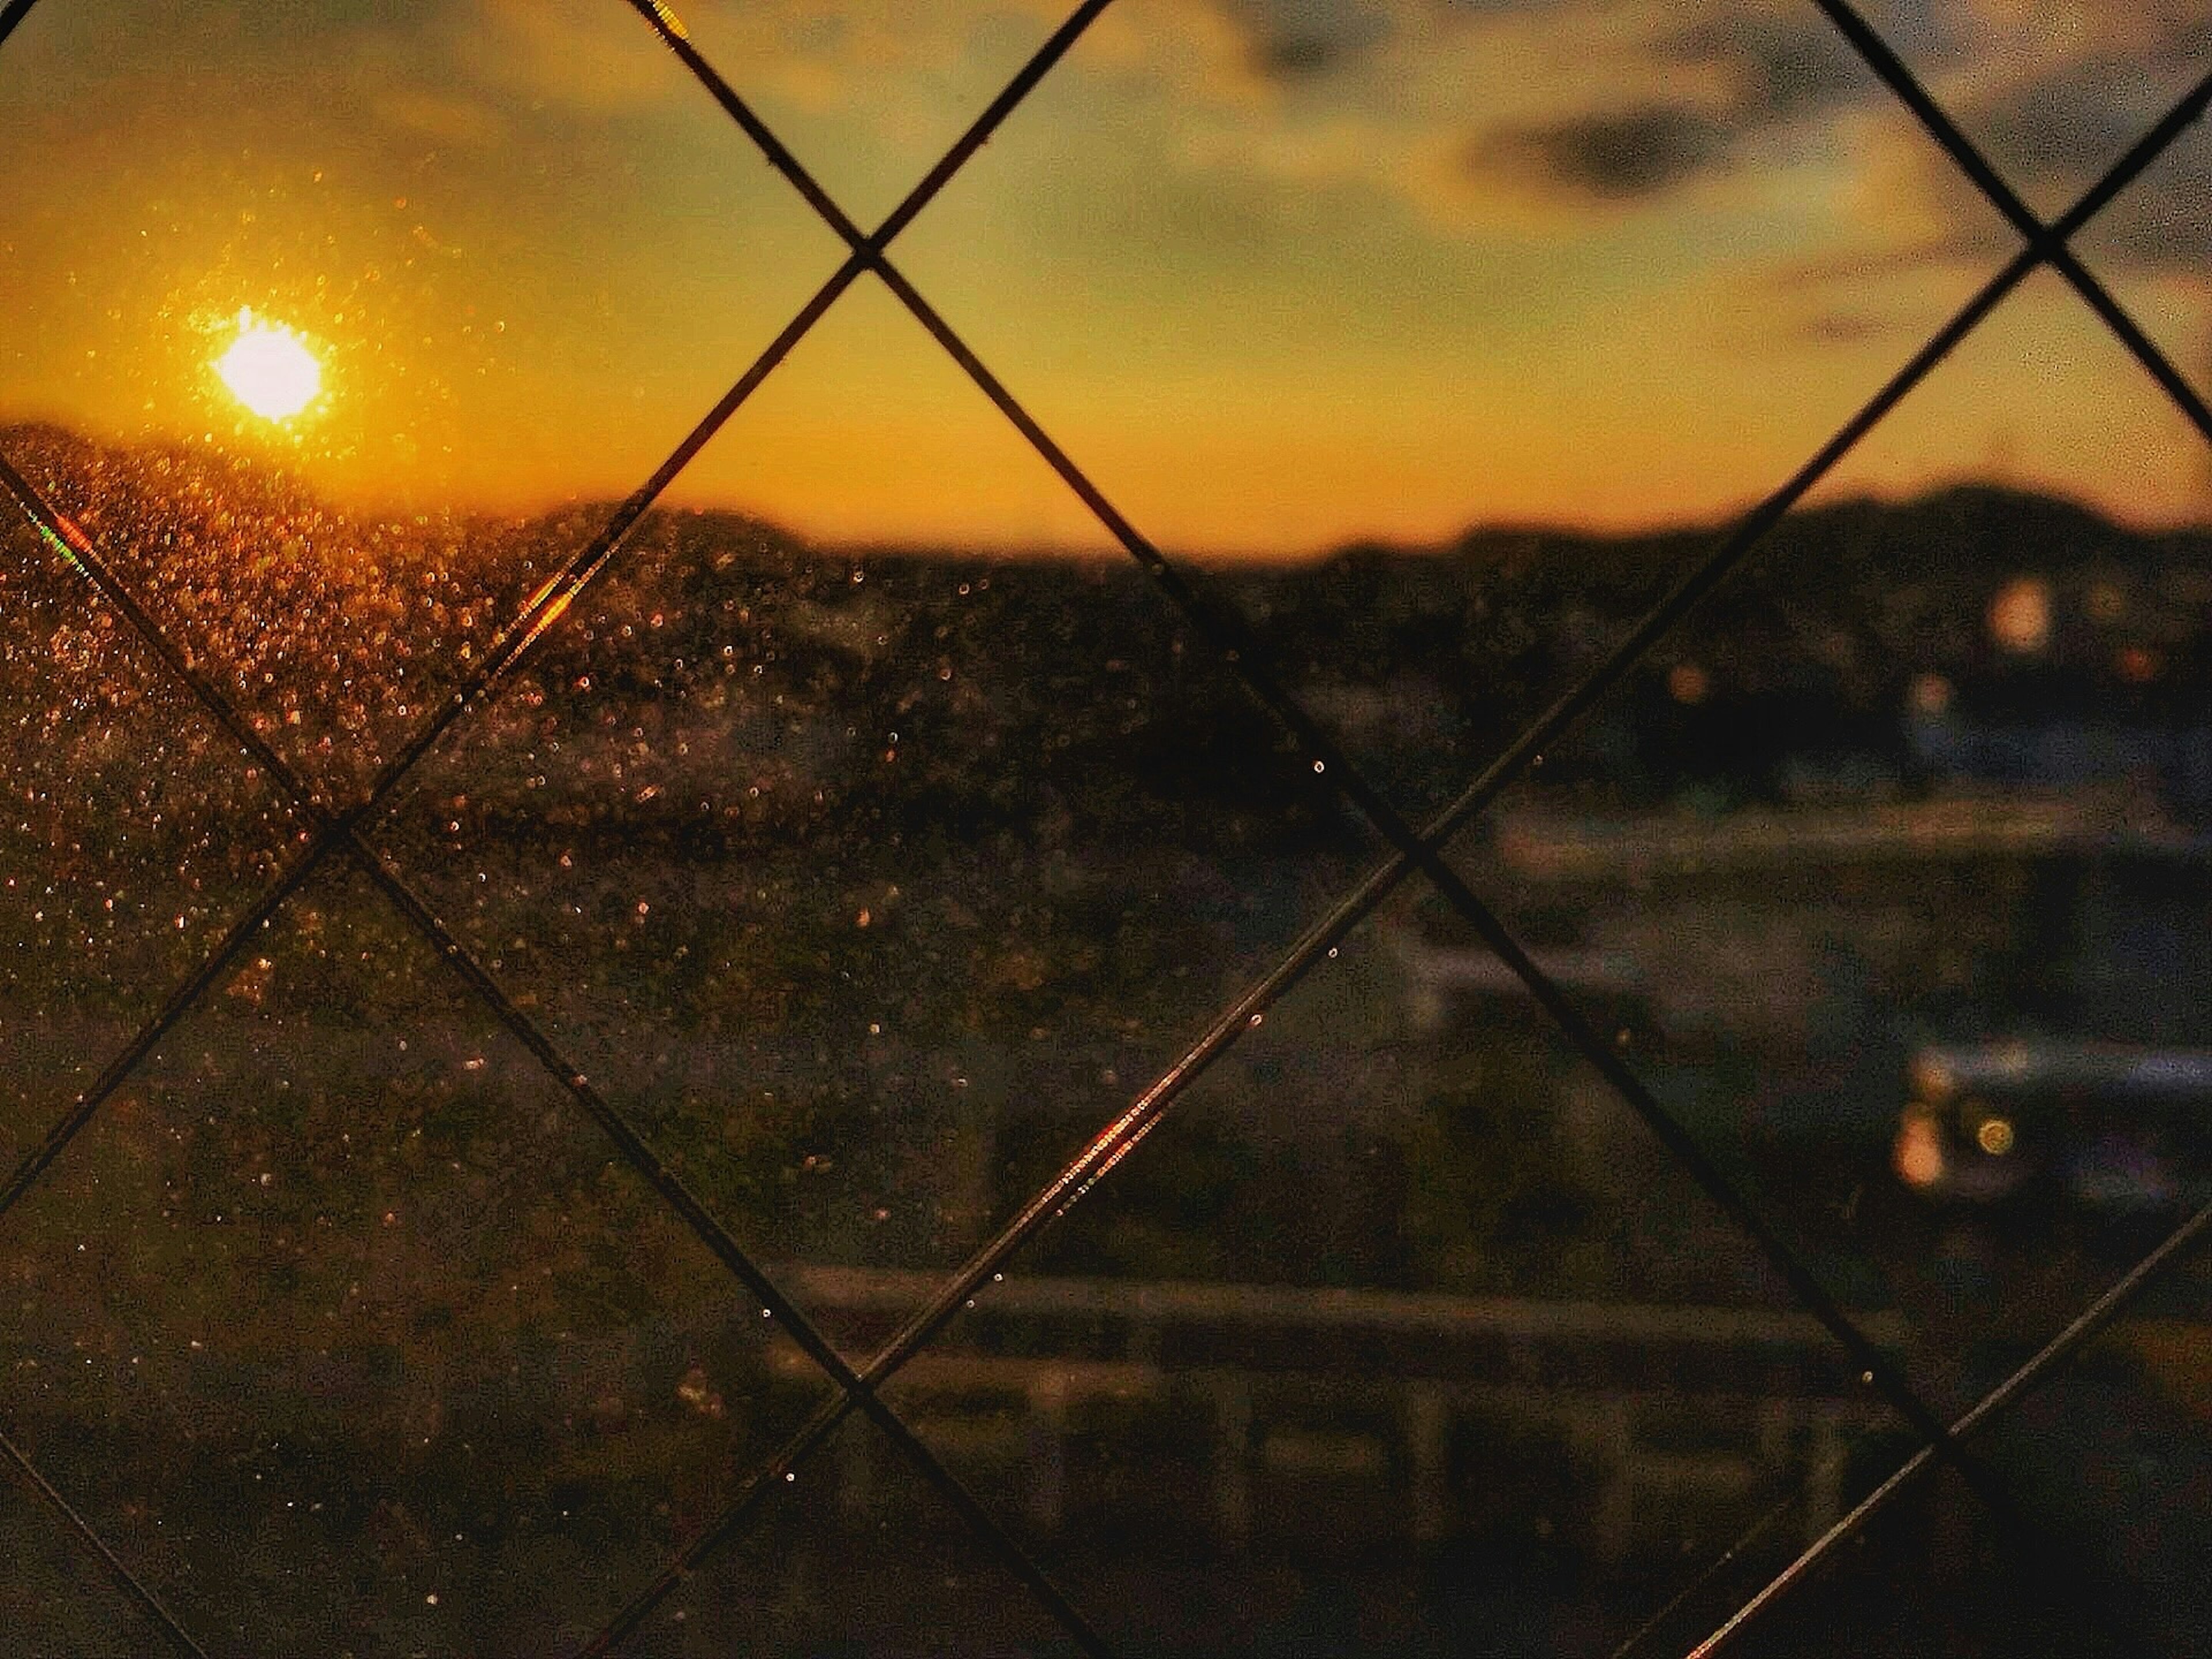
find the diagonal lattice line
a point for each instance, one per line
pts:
(1894, 74)
(331, 831)
(1118, 1137)
(677, 1195)
(65, 538)
(63, 535)
(546, 606)
(13, 14)
(559, 592)
(2036, 1370)
(35, 1163)
(550, 602)
(735, 1521)
(1712, 1572)
(1241, 650)
(177, 1636)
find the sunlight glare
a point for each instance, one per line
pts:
(270, 369)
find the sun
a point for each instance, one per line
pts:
(270, 369)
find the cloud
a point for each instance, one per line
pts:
(2051, 123)
(1735, 83)
(1773, 67)
(1300, 40)
(2056, 135)
(1611, 155)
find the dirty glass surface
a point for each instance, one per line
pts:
(1385, 852)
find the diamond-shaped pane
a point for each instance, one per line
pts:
(859, 1554)
(1397, 1331)
(2148, 247)
(2116, 1451)
(2052, 95)
(1348, 304)
(132, 835)
(868, 95)
(345, 1327)
(1934, 1575)
(874, 878)
(57, 1594)
(1886, 868)
(337, 325)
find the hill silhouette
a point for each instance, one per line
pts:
(748, 659)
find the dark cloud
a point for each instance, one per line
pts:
(1772, 72)
(2070, 125)
(1305, 39)
(1850, 328)
(1776, 68)
(1612, 156)
(1300, 40)
(2053, 137)
(2164, 223)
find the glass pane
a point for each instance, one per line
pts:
(2148, 247)
(874, 878)
(56, 1595)
(1887, 861)
(132, 838)
(2116, 1453)
(869, 95)
(2052, 95)
(346, 1328)
(1375, 313)
(1396, 1335)
(335, 327)
(860, 1555)
(1934, 1575)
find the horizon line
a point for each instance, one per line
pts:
(1009, 550)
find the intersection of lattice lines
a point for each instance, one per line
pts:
(2044, 243)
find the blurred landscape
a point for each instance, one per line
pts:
(869, 882)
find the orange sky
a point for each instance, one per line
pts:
(1279, 272)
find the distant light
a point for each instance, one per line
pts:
(270, 369)
(1995, 1137)
(1918, 1157)
(1688, 683)
(1933, 1079)
(2019, 615)
(1931, 694)
(2136, 664)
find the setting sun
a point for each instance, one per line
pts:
(270, 369)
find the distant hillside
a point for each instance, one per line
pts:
(1844, 620)
(724, 664)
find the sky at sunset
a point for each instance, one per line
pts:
(1279, 272)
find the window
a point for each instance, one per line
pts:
(591, 1071)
